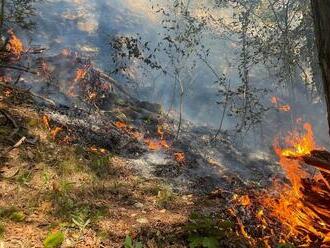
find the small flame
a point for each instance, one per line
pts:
(155, 145)
(7, 92)
(244, 200)
(14, 45)
(180, 157)
(121, 125)
(284, 108)
(45, 121)
(55, 131)
(80, 74)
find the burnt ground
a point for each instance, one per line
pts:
(96, 180)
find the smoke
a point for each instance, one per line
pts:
(88, 26)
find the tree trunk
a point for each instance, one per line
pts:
(321, 14)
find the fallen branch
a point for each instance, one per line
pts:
(18, 144)
(28, 92)
(18, 68)
(317, 158)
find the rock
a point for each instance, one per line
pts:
(142, 221)
(152, 107)
(138, 205)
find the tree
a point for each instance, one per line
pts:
(321, 13)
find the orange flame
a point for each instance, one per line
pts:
(289, 206)
(180, 157)
(276, 101)
(45, 121)
(121, 125)
(80, 74)
(14, 45)
(156, 144)
(55, 131)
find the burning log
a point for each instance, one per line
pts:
(317, 158)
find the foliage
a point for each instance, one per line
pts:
(18, 13)
(211, 232)
(130, 243)
(54, 240)
(165, 196)
(17, 216)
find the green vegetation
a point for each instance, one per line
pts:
(130, 243)
(54, 240)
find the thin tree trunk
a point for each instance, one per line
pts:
(2, 13)
(321, 14)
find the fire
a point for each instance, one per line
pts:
(7, 92)
(180, 157)
(298, 145)
(14, 45)
(276, 102)
(284, 108)
(301, 217)
(45, 121)
(97, 150)
(121, 125)
(154, 144)
(92, 95)
(244, 200)
(80, 74)
(55, 131)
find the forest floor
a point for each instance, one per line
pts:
(56, 194)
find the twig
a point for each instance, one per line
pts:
(19, 143)
(18, 68)
(29, 92)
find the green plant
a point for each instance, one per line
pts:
(17, 216)
(211, 232)
(24, 178)
(130, 243)
(81, 219)
(54, 240)
(165, 196)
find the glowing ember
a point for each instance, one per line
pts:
(97, 150)
(14, 45)
(92, 95)
(301, 217)
(244, 200)
(121, 125)
(283, 108)
(45, 121)
(80, 74)
(156, 144)
(180, 157)
(55, 131)
(7, 92)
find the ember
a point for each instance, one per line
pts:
(55, 131)
(180, 157)
(80, 74)
(45, 121)
(279, 106)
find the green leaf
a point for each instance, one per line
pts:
(54, 240)
(128, 242)
(210, 242)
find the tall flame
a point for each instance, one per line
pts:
(290, 207)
